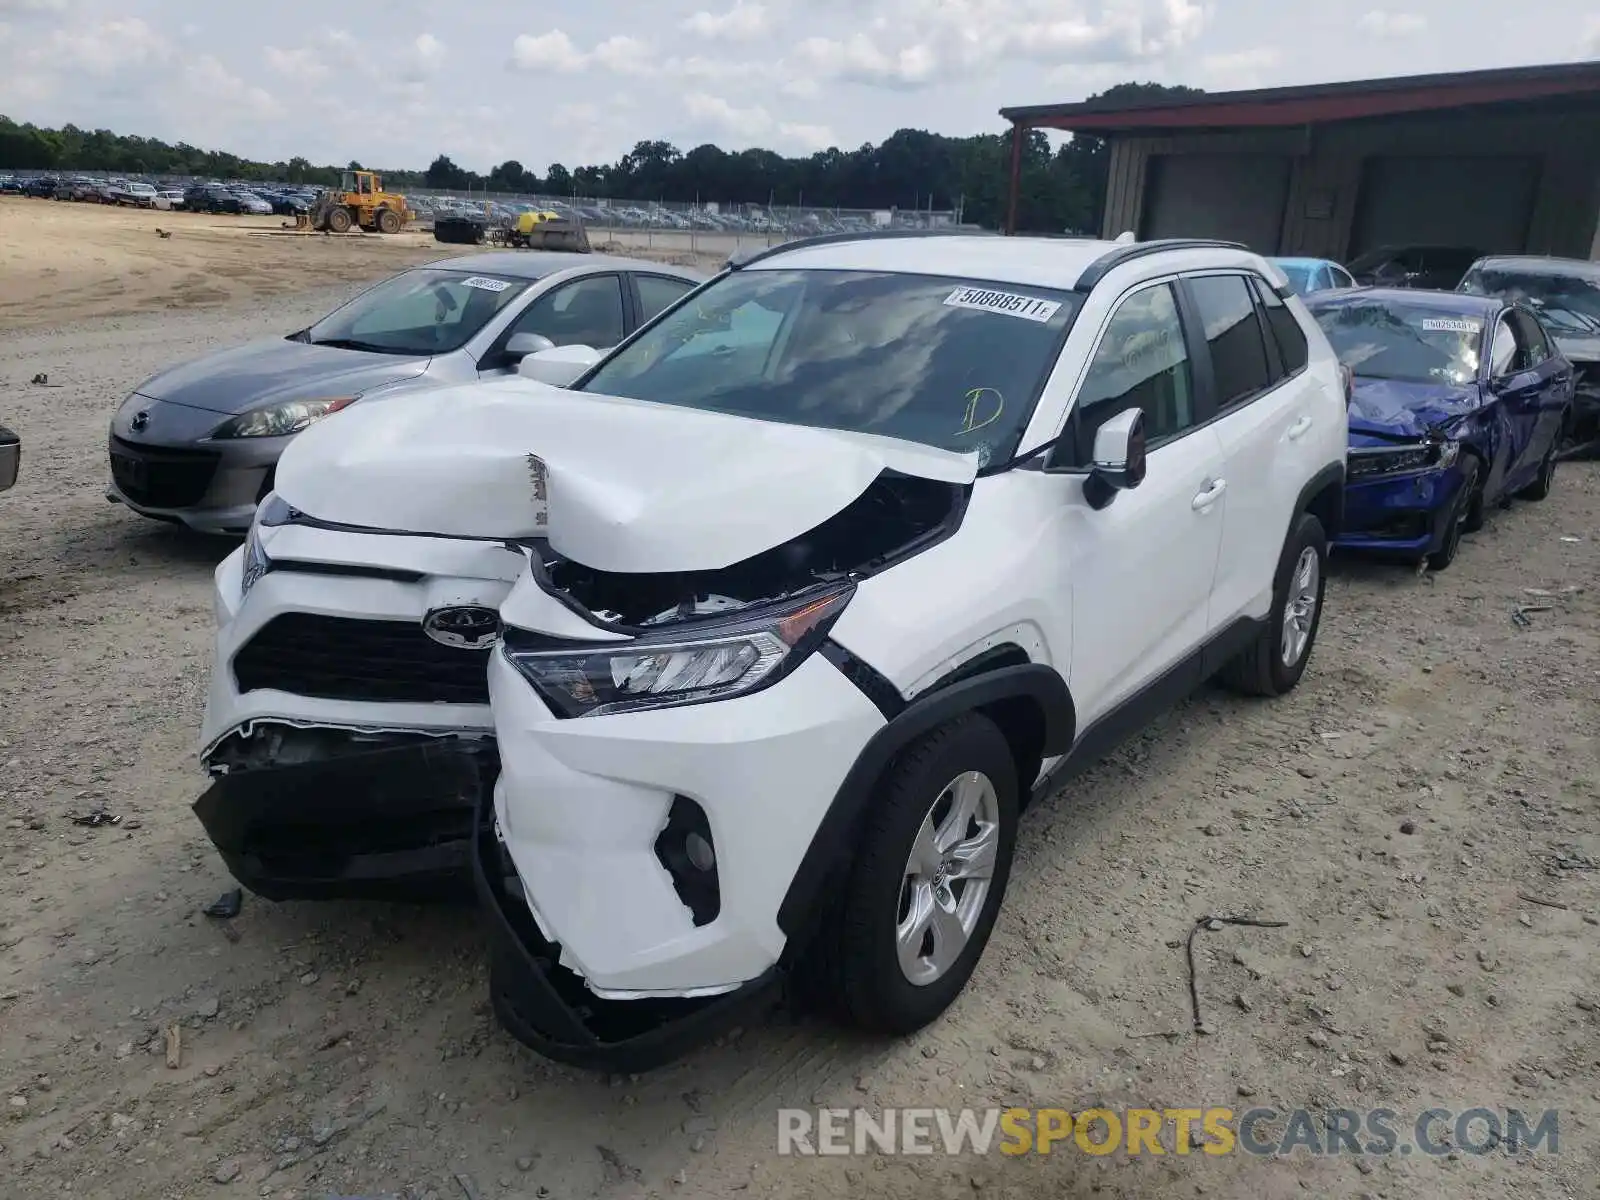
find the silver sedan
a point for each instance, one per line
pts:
(198, 444)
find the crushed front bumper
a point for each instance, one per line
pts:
(1399, 514)
(548, 1008)
(394, 822)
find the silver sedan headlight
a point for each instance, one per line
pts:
(280, 420)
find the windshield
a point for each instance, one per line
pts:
(1567, 303)
(421, 312)
(1298, 275)
(949, 362)
(1405, 343)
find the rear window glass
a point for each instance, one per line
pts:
(950, 362)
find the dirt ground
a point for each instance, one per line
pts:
(1438, 767)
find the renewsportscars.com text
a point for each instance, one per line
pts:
(1266, 1132)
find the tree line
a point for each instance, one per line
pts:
(1061, 189)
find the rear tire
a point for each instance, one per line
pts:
(1275, 661)
(1540, 487)
(926, 884)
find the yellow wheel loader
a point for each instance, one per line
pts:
(359, 201)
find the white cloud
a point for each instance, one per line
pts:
(1241, 68)
(551, 51)
(32, 6)
(227, 95)
(1591, 35)
(741, 23)
(913, 45)
(101, 49)
(749, 124)
(301, 64)
(623, 55)
(1379, 23)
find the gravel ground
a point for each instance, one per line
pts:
(1437, 767)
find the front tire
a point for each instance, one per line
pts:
(339, 220)
(1468, 501)
(1275, 661)
(927, 881)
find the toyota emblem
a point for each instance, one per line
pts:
(469, 627)
(140, 420)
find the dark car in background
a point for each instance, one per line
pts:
(1565, 292)
(1439, 267)
(1458, 403)
(211, 198)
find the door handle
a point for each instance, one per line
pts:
(1299, 429)
(1209, 496)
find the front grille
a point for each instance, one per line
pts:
(341, 658)
(160, 476)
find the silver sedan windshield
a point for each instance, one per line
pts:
(421, 312)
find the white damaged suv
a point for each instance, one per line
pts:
(830, 568)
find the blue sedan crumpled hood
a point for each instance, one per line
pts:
(243, 378)
(1385, 409)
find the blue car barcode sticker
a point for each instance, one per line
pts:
(1009, 304)
(1450, 325)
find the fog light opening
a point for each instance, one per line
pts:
(686, 849)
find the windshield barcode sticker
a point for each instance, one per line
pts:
(1450, 325)
(1007, 303)
(485, 284)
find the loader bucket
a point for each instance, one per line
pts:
(560, 234)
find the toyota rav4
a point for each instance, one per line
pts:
(821, 577)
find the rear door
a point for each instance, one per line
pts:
(652, 294)
(1254, 376)
(1552, 387)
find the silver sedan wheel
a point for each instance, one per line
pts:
(947, 877)
(1300, 609)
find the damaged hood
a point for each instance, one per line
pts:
(630, 486)
(1385, 409)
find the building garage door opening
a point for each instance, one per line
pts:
(1236, 197)
(1482, 203)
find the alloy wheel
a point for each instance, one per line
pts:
(947, 877)
(1300, 607)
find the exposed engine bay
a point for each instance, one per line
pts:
(897, 515)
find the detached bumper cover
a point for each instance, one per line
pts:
(547, 1008)
(364, 824)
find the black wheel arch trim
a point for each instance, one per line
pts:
(836, 833)
(1333, 473)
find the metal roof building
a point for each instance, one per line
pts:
(1501, 161)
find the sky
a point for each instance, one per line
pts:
(580, 81)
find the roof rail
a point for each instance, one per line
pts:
(1128, 251)
(739, 259)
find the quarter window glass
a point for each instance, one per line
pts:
(1238, 353)
(1141, 362)
(1293, 351)
(657, 293)
(587, 312)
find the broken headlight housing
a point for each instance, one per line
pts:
(1403, 459)
(256, 563)
(686, 663)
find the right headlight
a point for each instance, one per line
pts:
(1398, 460)
(689, 663)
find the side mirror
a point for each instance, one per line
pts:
(520, 345)
(558, 365)
(1119, 458)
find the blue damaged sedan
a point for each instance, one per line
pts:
(1459, 402)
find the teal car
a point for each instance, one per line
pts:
(1307, 275)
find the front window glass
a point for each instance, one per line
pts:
(421, 312)
(949, 362)
(1568, 304)
(1405, 343)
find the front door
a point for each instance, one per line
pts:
(1142, 568)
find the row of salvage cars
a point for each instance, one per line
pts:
(723, 662)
